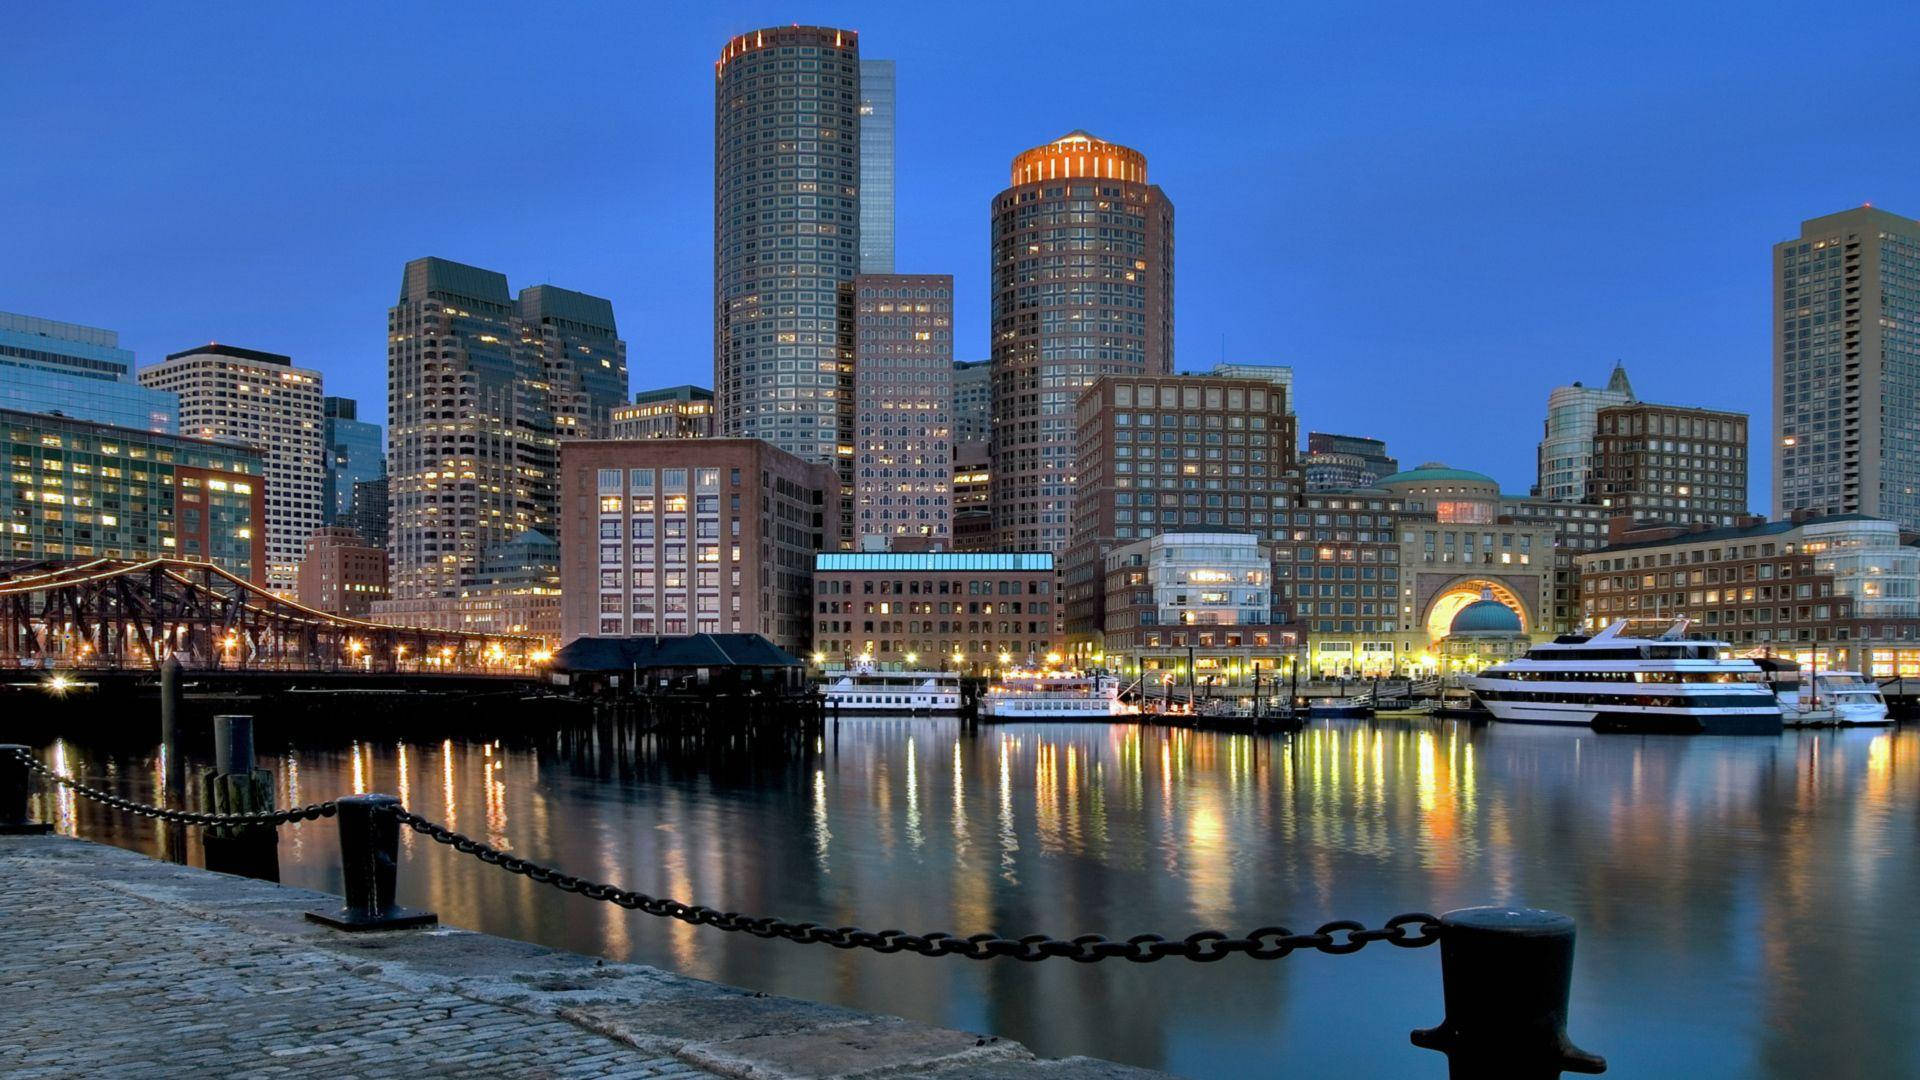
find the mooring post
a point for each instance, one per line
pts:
(173, 775)
(15, 783)
(236, 787)
(369, 862)
(1506, 974)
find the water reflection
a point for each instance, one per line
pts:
(1742, 903)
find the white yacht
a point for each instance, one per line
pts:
(863, 689)
(1055, 695)
(1612, 682)
(1836, 697)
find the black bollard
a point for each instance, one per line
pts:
(15, 783)
(1506, 974)
(369, 860)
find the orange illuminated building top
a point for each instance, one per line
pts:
(784, 35)
(1079, 154)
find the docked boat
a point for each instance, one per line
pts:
(1612, 682)
(863, 689)
(1055, 695)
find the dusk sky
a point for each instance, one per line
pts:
(1435, 214)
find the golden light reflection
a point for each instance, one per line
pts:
(1009, 840)
(451, 804)
(359, 772)
(822, 835)
(914, 836)
(960, 841)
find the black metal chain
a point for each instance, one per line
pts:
(186, 817)
(1410, 931)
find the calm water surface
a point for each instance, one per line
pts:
(1746, 906)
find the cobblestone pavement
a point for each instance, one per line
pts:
(112, 964)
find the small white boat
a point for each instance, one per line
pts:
(1835, 697)
(863, 689)
(1055, 695)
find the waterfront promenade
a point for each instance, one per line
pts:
(113, 964)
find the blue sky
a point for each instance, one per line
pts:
(1435, 213)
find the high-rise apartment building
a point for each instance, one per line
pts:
(1565, 454)
(1846, 367)
(1670, 463)
(1082, 263)
(259, 399)
(78, 371)
(671, 412)
(876, 166)
(355, 453)
(903, 407)
(972, 401)
(480, 387)
(786, 243)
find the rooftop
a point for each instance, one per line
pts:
(235, 352)
(933, 560)
(1435, 472)
(1736, 532)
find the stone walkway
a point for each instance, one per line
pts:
(113, 964)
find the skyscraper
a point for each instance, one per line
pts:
(786, 243)
(77, 371)
(1082, 287)
(1846, 367)
(876, 166)
(1565, 454)
(669, 412)
(903, 406)
(972, 400)
(355, 454)
(259, 399)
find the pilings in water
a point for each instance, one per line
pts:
(235, 786)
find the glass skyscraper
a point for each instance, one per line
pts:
(78, 371)
(876, 166)
(355, 454)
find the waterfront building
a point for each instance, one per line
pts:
(1065, 311)
(972, 401)
(1280, 375)
(480, 386)
(1484, 632)
(81, 490)
(1195, 610)
(1840, 590)
(671, 412)
(1576, 527)
(787, 136)
(690, 536)
(903, 407)
(972, 514)
(877, 102)
(341, 573)
(1669, 463)
(1565, 454)
(48, 366)
(963, 610)
(1846, 367)
(259, 399)
(1176, 453)
(355, 453)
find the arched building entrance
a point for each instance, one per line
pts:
(1458, 594)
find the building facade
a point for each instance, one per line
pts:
(355, 453)
(1280, 375)
(1082, 261)
(259, 399)
(1565, 455)
(1372, 453)
(79, 371)
(690, 536)
(368, 511)
(583, 362)
(1669, 463)
(80, 490)
(972, 512)
(959, 610)
(1841, 590)
(972, 401)
(903, 407)
(672, 412)
(877, 102)
(1195, 611)
(1176, 453)
(1846, 367)
(341, 572)
(786, 244)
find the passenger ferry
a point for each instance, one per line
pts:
(1612, 682)
(1836, 697)
(862, 689)
(1055, 695)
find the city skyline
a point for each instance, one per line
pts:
(1404, 196)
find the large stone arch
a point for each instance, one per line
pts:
(1446, 601)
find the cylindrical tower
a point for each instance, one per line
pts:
(1082, 287)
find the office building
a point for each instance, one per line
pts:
(1846, 367)
(81, 490)
(259, 399)
(1669, 463)
(368, 511)
(1178, 453)
(903, 407)
(1193, 613)
(972, 512)
(786, 239)
(972, 401)
(1371, 453)
(341, 573)
(355, 453)
(876, 166)
(582, 359)
(1565, 454)
(77, 371)
(672, 412)
(959, 610)
(690, 536)
(1280, 375)
(1066, 309)
(513, 589)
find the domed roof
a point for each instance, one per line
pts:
(1485, 616)
(1434, 472)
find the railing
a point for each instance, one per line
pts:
(1506, 973)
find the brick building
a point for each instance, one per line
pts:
(963, 609)
(342, 573)
(1669, 463)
